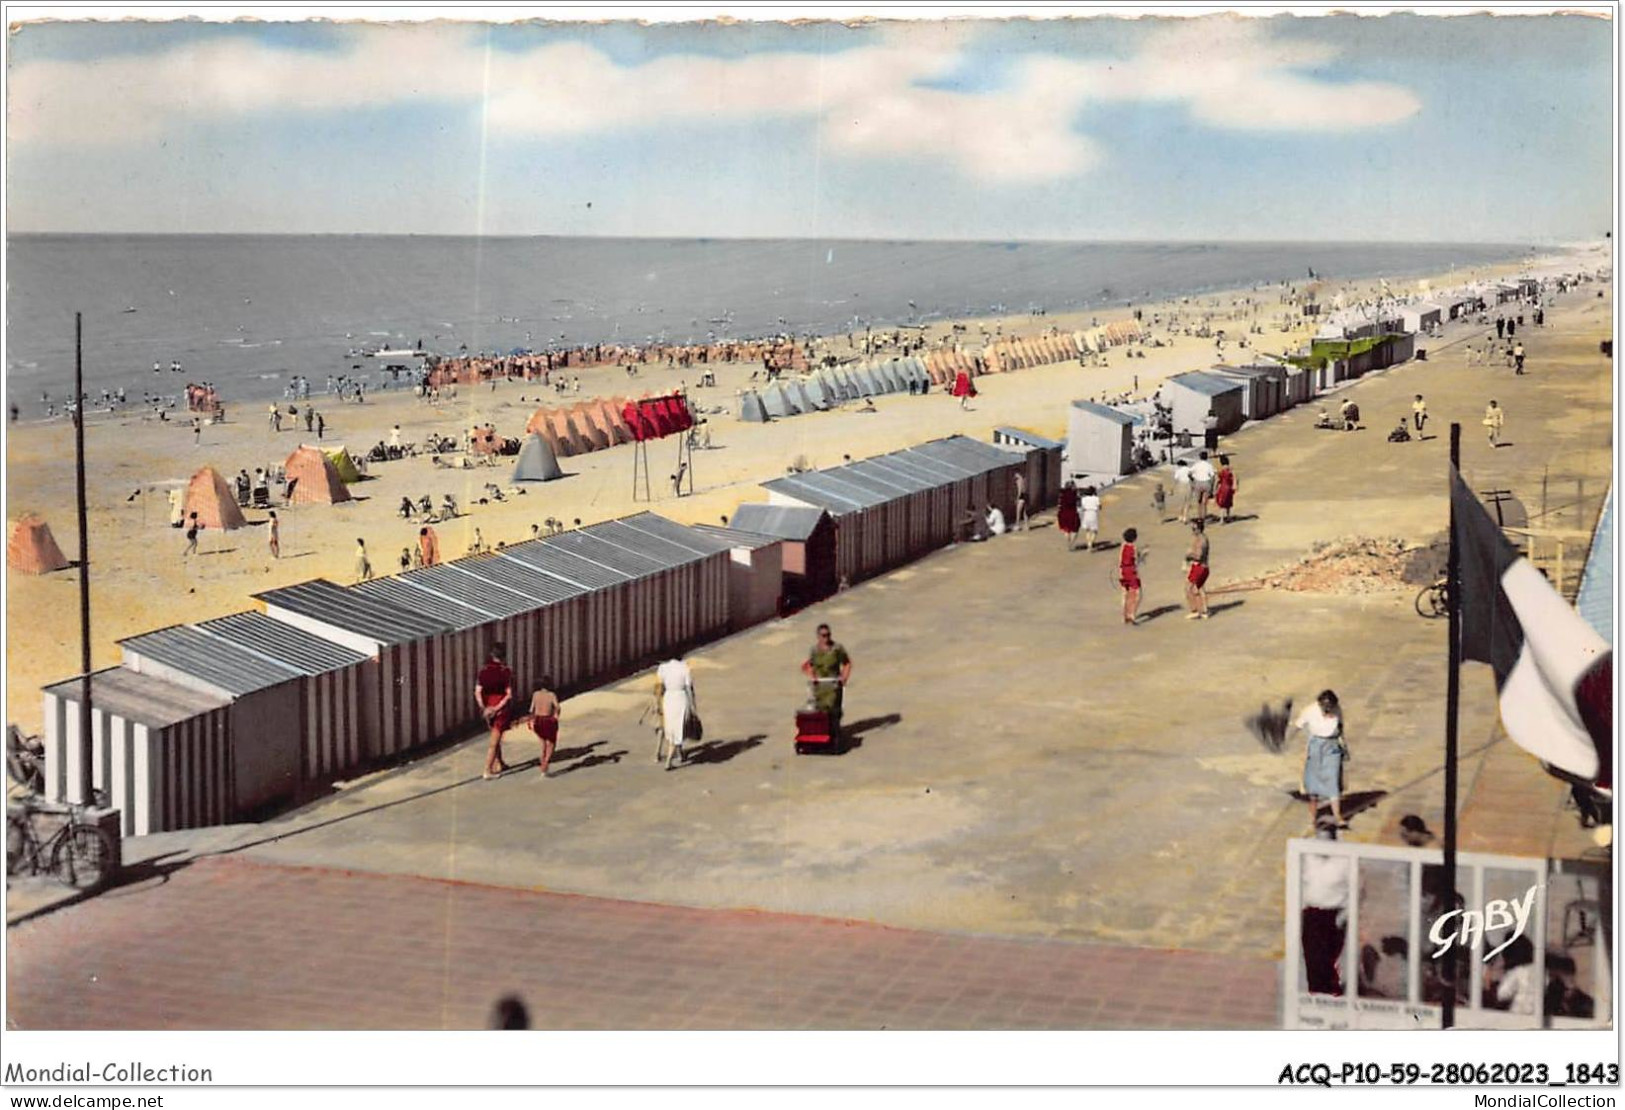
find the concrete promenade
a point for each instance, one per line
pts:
(1039, 792)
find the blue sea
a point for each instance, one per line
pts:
(247, 312)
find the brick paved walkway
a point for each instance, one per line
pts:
(227, 943)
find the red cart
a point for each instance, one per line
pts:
(817, 730)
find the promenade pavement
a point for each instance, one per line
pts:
(1030, 769)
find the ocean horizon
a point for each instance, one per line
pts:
(248, 311)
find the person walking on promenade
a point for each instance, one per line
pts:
(1419, 413)
(676, 706)
(1517, 357)
(1494, 418)
(493, 693)
(1325, 752)
(1066, 513)
(829, 668)
(544, 720)
(321, 426)
(1128, 577)
(1182, 488)
(275, 538)
(1196, 572)
(1202, 476)
(363, 565)
(1089, 503)
(1224, 487)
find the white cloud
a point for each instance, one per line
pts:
(870, 101)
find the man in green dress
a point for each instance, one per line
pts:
(828, 660)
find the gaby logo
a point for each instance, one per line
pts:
(1468, 927)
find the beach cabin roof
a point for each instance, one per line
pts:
(887, 483)
(981, 457)
(214, 660)
(734, 537)
(1104, 412)
(817, 488)
(290, 646)
(516, 576)
(914, 476)
(140, 698)
(786, 522)
(937, 468)
(679, 534)
(549, 556)
(663, 552)
(415, 592)
(589, 546)
(1027, 439)
(1201, 382)
(371, 617)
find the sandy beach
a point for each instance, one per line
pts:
(140, 581)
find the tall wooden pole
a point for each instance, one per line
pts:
(86, 747)
(1452, 712)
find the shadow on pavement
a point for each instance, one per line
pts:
(720, 751)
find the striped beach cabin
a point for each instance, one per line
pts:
(160, 751)
(894, 508)
(293, 698)
(409, 696)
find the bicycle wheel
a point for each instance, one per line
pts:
(83, 857)
(16, 841)
(1431, 603)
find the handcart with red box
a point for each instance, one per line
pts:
(818, 731)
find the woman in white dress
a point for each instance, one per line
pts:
(1089, 504)
(676, 703)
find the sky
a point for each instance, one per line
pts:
(1395, 127)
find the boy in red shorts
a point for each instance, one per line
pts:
(1196, 576)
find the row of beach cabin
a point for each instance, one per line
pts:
(919, 373)
(217, 721)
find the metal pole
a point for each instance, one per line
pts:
(1452, 707)
(86, 748)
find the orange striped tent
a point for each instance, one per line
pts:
(32, 549)
(545, 430)
(537, 421)
(611, 420)
(589, 422)
(211, 499)
(313, 479)
(579, 428)
(568, 440)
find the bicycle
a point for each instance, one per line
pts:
(78, 853)
(1433, 601)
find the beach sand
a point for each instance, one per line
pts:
(140, 581)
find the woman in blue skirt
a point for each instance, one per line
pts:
(1326, 752)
